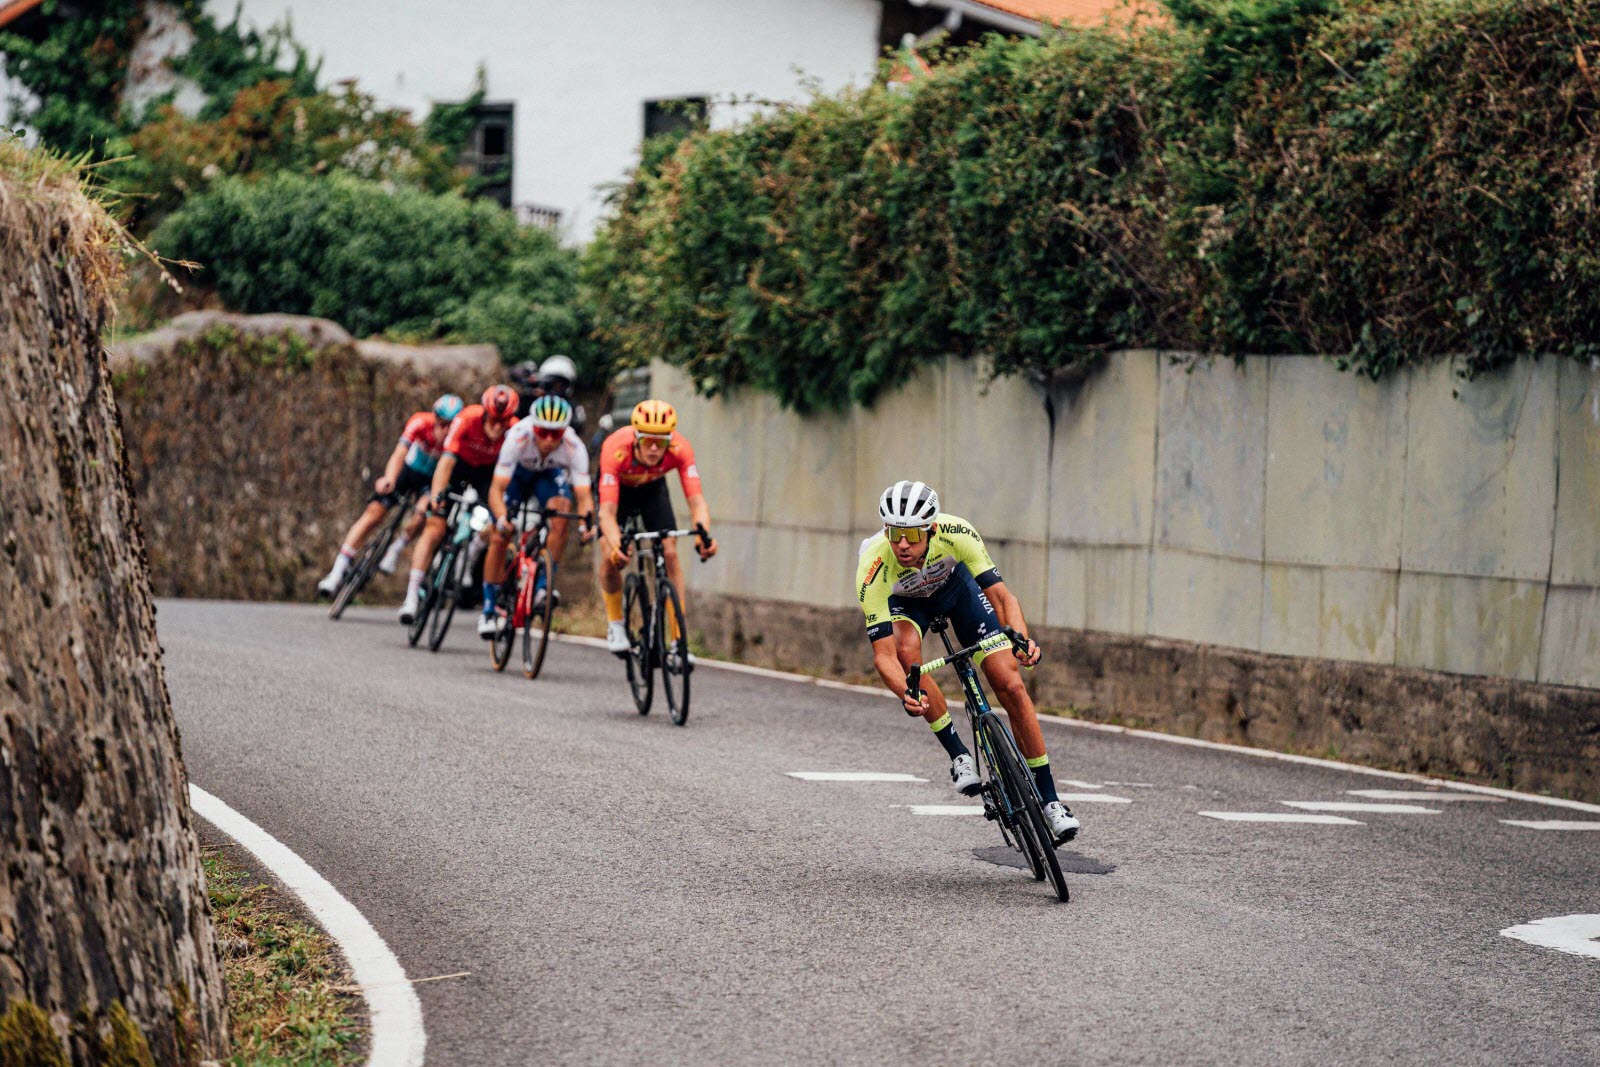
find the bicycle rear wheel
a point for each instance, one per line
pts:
(430, 597)
(636, 617)
(675, 665)
(446, 594)
(1031, 827)
(536, 634)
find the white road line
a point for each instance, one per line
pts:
(1093, 798)
(1175, 739)
(398, 1039)
(1350, 805)
(1074, 783)
(1278, 816)
(1417, 794)
(1575, 934)
(1132, 785)
(853, 776)
(1551, 824)
(946, 809)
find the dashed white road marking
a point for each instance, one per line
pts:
(1094, 798)
(853, 776)
(1133, 785)
(1573, 934)
(1279, 816)
(1552, 824)
(1074, 783)
(1418, 794)
(398, 1039)
(1350, 805)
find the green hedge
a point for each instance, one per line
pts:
(1370, 181)
(400, 262)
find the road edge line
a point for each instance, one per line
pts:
(1156, 735)
(398, 1037)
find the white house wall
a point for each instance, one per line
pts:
(579, 71)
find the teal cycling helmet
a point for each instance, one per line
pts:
(551, 412)
(447, 407)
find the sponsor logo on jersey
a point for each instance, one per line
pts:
(872, 572)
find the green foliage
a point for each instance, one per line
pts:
(1375, 182)
(26, 1039)
(428, 266)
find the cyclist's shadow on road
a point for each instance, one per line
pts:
(1071, 862)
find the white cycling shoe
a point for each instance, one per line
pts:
(391, 558)
(489, 625)
(617, 637)
(1063, 824)
(408, 610)
(329, 586)
(964, 773)
(539, 598)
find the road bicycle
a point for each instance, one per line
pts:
(441, 587)
(515, 601)
(1009, 794)
(365, 564)
(645, 619)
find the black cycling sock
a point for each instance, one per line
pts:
(1044, 780)
(945, 731)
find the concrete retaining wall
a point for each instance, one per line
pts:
(1275, 506)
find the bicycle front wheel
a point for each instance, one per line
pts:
(536, 634)
(446, 593)
(675, 664)
(636, 618)
(430, 597)
(506, 609)
(1032, 831)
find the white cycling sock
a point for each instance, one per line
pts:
(414, 583)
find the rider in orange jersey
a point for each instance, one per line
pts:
(634, 463)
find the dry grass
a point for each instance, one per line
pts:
(289, 994)
(48, 206)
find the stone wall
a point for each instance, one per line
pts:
(253, 451)
(1283, 536)
(104, 925)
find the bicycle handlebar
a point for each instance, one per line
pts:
(1017, 641)
(700, 532)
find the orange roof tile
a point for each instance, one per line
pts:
(1079, 12)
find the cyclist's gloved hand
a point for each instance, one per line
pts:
(1033, 655)
(615, 555)
(384, 485)
(914, 703)
(440, 503)
(503, 525)
(706, 547)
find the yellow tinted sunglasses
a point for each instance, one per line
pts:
(913, 534)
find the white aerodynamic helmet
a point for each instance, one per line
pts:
(559, 367)
(908, 504)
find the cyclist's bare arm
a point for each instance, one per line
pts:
(892, 668)
(497, 496)
(700, 513)
(610, 532)
(391, 469)
(1009, 608)
(584, 499)
(442, 473)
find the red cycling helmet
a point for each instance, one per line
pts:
(500, 403)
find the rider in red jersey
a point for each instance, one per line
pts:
(470, 452)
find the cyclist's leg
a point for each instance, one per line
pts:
(554, 491)
(911, 616)
(411, 482)
(630, 506)
(376, 508)
(494, 565)
(656, 508)
(974, 619)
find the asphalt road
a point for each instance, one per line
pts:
(625, 891)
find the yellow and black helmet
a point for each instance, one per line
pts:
(654, 416)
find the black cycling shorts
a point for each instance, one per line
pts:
(410, 482)
(650, 503)
(478, 477)
(960, 600)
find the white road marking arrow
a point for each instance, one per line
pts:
(1552, 824)
(853, 776)
(1574, 934)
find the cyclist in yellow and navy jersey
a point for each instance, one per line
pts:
(924, 564)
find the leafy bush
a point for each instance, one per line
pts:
(422, 265)
(1375, 182)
